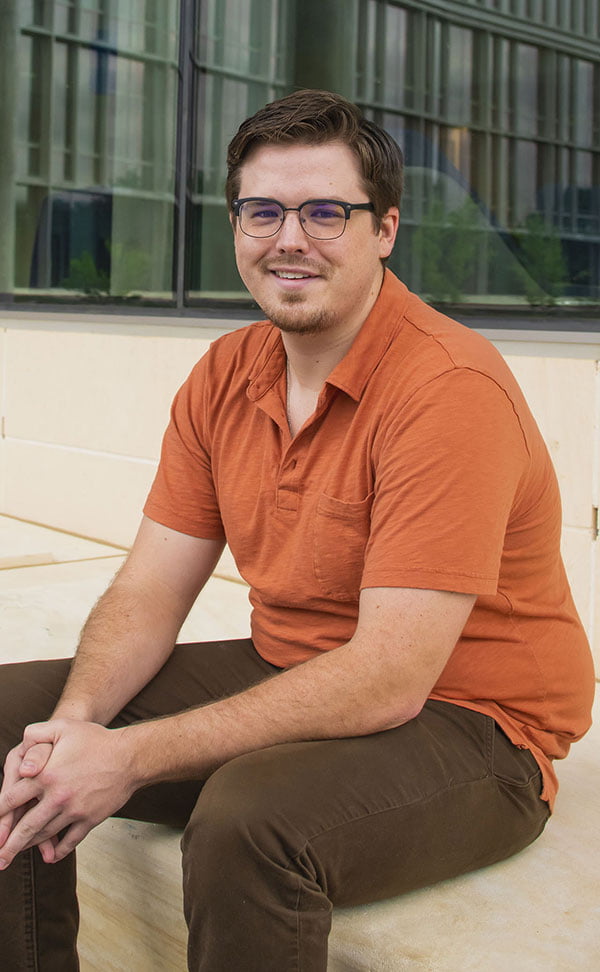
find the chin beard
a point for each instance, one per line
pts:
(297, 321)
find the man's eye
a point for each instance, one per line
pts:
(264, 213)
(325, 213)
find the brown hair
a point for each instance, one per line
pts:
(314, 118)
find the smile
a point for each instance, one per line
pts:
(288, 275)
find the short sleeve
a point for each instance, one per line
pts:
(447, 470)
(182, 495)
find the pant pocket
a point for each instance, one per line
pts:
(510, 764)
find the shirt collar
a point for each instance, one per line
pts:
(374, 338)
(352, 374)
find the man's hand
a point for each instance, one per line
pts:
(63, 779)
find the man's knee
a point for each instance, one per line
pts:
(245, 808)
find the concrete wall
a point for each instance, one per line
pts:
(84, 400)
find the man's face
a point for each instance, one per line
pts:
(341, 277)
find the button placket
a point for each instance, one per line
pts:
(287, 481)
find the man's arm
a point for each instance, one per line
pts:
(132, 630)
(379, 679)
(126, 640)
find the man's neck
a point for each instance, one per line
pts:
(312, 357)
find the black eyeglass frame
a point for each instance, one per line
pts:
(346, 206)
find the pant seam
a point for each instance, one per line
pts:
(30, 912)
(297, 909)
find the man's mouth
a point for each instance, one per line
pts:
(290, 275)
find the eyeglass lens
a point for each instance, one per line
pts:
(321, 220)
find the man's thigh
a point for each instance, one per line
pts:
(379, 815)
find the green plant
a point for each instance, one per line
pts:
(447, 245)
(543, 269)
(131, 269)
(85, 277)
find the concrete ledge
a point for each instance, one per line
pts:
(539, 910)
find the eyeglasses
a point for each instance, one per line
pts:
(321, 219)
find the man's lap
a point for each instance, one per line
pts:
(384, 813)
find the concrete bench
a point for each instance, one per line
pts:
(538, 911)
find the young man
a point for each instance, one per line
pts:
(416, 660)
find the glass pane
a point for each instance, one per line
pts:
(501, 84)
(459, 77)
(583, 107)
(525, 90)
(33, 12)
(65, 20)
(397, 83)
(524, 182)
(96, 137)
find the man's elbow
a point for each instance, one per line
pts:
(392, 715)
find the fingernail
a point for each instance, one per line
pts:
(2, 865)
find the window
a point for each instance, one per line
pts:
(95, 165)
(111, 187)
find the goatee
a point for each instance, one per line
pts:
(296, 321)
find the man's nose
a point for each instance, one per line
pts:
(291, 235)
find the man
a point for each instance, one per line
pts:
(416, 660)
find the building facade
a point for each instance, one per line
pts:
(118, 115)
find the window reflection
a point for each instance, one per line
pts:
(96, 135)
(501, 134)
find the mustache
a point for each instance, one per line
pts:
(295, 263)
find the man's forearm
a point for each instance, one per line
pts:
(126, 639)
(379, 679)
(327, 697)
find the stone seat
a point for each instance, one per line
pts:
(538, 911)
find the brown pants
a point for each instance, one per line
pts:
(273, 839)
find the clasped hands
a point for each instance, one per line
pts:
(63, 779)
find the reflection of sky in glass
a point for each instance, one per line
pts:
(524, 181)
(526, 89)
(23, 120)
(584, 103)
(460, 72)
(394, 72)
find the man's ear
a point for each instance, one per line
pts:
(387, 231)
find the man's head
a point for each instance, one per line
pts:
(313, 191)
(315, 118)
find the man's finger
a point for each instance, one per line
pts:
(35, 827)
(35, 759)
(18, 795)
(11, 766)
(40, 732)
(70, 840)
(6, 826)
(46, 849)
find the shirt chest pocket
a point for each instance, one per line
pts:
(341, 532)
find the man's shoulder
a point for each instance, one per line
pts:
(243, 341)
(450, 344)
(235, 353)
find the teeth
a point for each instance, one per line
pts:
(291, 276)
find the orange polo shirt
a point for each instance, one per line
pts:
(421, 467)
